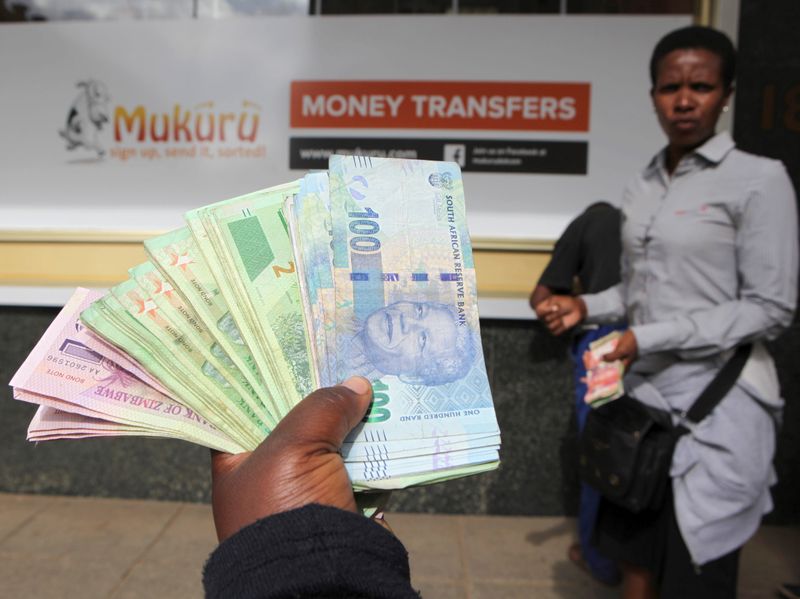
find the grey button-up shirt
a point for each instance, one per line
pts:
(710, 261)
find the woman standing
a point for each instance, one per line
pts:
(710, 259)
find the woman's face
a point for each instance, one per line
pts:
(689, 96)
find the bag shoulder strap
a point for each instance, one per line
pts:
(720, 385)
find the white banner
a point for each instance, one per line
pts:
(123, 126)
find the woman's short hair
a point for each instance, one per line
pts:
(696, 36)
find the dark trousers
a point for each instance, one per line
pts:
(652, 540)
(681, 579)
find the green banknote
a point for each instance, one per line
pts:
(191, 363)
(108, 318)
(176, 310)
(179, 259)
(252, 233)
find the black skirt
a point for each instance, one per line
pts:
(637, 539)
(652, 540)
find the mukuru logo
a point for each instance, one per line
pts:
(205, 130)
(86, 117)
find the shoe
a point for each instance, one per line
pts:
(789, 591)
(575, 555)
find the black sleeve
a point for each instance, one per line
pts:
(313, 551)
(565, 261)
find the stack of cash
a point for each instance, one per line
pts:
(603, 379)
(365, 269)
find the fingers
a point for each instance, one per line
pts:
(551, 314)
(542, 308)
(327, 415)
(560, 313)
(626, 350)
(380, 518)
(554, 321)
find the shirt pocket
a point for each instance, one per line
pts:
(696, 229)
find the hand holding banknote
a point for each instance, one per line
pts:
(366, 269)
(298, 464)
(627, 349)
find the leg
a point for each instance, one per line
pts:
(603, 569)
(637, 583)
(683, 580)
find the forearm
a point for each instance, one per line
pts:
(308, 552)
(707, 332)
(606, 306)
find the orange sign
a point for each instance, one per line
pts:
(517, 106)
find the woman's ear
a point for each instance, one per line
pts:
(728, 94)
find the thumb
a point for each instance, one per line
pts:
(327, 415)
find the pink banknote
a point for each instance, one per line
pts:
(105, 349)
(77, 378)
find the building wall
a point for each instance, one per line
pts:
(530, 371)
(531, 378)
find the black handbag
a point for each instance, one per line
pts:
(625, 449)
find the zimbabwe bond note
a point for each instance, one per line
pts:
(177, 256)
(108, 319)
(213, 252)
(311, 210)
(105, 349)
(66, 405)
(175, 309)
(256, 237)
(111, 320)
(49, 424)
(209, 238)
(406, 298)
(195, 370)
(63, 368)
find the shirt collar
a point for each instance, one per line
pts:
(714, 150)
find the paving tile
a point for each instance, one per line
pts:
(172, 567)
(433, 544)
(526, 590)
(520, 549)
(16, 510)
(53, 547)
(79, 547)
(600, 591)
(437, 589)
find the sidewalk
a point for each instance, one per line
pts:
(52, 547)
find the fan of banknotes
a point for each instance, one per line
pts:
(365, 269)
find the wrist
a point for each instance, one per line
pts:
(582, 310)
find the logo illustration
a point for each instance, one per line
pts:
(440, 180)
(86, 117)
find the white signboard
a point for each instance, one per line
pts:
(123, 126)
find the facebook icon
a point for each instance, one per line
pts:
(456, 153)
